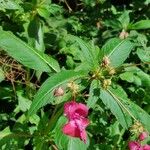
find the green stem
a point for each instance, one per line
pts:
(53, 119)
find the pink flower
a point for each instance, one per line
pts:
(74, 110)
(143, 136)
(133, 145)
(76, 113)
(146, 147)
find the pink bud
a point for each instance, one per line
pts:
(143, 136)
(133, 145)
(59, 92)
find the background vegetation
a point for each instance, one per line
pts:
(97, 51)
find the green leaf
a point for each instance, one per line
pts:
(2, 75)
(4, 132)
(143, 24)
(124, 19)
(25, 54)
(133, 74)
(132, 109)
(88, 53)
(144, 55)
(94, 93)
(23, 103)
(35, 33)
(117, 50)
(8, 4)
(75, 144)
(131, 78)
(60, 139)
(43, 95)
(115, 108)
(36, 39)
(43, 11)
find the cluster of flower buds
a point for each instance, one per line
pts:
(134, 145)
(123, 34)
(77, 121)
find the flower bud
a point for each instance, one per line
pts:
(106, 83)
(137, 128)
(59, 92)
(123, 34)
(112, 71)
(106, 61)
(143, 136)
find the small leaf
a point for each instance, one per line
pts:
(43, 11)
(132, 74)
(93, 94)
(43, 95)
(124, 19)
(88, 53)
(143, 24)
(23, 103)
(117, 50)
(4, 132)
(2, 75)
(144, 55)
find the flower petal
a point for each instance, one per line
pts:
(75, 110)
(69, 108)
(83, 136)
(71, 129)
(82, 110)
(146, 147)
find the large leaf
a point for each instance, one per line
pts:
(133, 110)
(143, 24)
(115, 108)
(117, 50)
(43, 95)
(25, 54)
